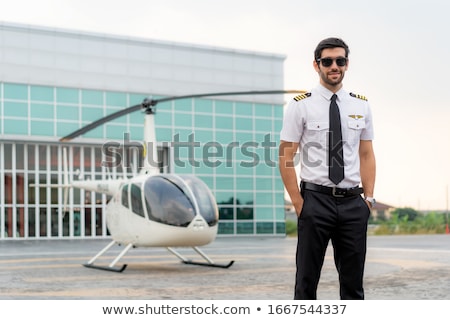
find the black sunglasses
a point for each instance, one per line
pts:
(327, 62)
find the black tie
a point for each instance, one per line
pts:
(335, 154)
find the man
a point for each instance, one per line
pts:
(332, 130)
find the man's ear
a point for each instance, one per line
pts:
(316, 66)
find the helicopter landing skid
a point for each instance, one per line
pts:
(111, 267)
(105, 268)
(209, 262)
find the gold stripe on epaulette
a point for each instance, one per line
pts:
(354, 95)
(302, 96)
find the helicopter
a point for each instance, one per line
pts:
(153, 209)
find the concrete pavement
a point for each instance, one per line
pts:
(398, 267)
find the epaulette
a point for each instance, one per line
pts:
(302, 96)
(354, 95)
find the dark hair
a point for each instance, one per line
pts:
(330, 43)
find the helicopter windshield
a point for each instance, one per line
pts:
(205, 200)
(169, 201)
(166, 203)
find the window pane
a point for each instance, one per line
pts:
(31, 157)
(244, 197)
(16, 126)
(15, 109)
(136, 200)
(125, 196)
(67, 95)
(42, 128)
(91, 113)
(116, 99)
(263, 125)
(7, 156)
(42, 111)
(263, 110)
(244, 123)
(264, 198)
(161, 118)
(224, 107)
(203, 105)
(244, 227)
(244, 213)
(244, 108)
(183, 105)
(263, 213)
(224, 123)
(203, 121)
(264, 227)
(41, 93)
(226, 227)
(67, 112)
(92, 97)
(15, 91)
(278, 112)
(19, 156)
(281, 228)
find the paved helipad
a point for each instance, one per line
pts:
(398, 267)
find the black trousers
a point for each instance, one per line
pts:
(344, 221)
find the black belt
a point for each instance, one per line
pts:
(332, 191)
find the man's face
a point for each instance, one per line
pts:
(331, 76)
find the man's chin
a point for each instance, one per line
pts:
(334, 82)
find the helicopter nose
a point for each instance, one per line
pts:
(198, 224)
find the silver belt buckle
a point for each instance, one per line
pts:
(336, 195)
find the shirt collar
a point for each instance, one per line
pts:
(327, 94)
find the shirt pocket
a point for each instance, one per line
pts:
(354, 129)
(317, 131)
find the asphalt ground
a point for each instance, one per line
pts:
(397, 268)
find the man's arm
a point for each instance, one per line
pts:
(367, 167)
(287, 151)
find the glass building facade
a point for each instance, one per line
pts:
(229, 143)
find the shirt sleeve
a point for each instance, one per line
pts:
(292, 128)
(368, 132)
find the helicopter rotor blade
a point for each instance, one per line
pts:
(99, 122)
(236, 93)
(147, 105)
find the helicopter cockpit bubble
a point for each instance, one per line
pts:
(203, 196)
(172, 200)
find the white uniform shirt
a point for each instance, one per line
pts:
(306, 121)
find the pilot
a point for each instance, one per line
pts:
(333, 131)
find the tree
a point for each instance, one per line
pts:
(406, 212)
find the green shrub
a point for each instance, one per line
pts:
(430, 223)
(291, 228)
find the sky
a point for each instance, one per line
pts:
(399, 51)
